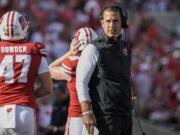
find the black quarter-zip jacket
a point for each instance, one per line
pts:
(110, 87)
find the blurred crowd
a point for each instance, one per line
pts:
(156, 55)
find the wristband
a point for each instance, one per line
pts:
(87, 113)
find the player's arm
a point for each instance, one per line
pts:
(46, 86)
(56, 71)
(56, 66)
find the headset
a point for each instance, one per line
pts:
(123, 14)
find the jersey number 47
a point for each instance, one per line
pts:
(7, 67)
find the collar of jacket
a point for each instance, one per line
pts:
(109, 40)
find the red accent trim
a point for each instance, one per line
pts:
(12, 20)
(86, 35)
(8, 24)
(90, 34)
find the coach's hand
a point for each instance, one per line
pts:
(88, 116)
(89, 122)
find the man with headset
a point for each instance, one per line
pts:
(103, 78)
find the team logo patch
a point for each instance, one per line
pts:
(125, 52)
(9, 110)
(22, 22)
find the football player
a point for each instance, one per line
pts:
(64, 68)
(21, 62)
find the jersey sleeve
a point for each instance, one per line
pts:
(69, 66)
(41, 49)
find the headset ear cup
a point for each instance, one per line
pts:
(124, 17)
(125, 21)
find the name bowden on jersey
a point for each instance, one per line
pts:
(13, 49)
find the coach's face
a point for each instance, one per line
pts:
(111, 23)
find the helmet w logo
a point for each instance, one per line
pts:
(13, 26)
(22, 22)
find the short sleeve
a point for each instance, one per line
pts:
(41, 49)
(69, 65)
